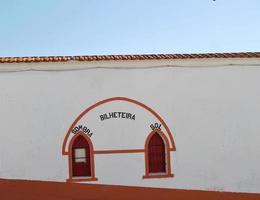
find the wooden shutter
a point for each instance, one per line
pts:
(156, 154)
(81, 157)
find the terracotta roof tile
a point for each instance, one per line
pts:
(127, 57)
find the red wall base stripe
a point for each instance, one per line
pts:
(32, 190)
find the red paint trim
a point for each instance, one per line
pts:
(117, 99)
(74, 180)
(168, 157)
(119, 151)
(159, 176)
(48, 190)
(92, 162)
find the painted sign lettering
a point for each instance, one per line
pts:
(155, 126)
(110, 115)
(85, 129)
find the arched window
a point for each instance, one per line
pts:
(157, 156)
(81, 166)
(81, 158)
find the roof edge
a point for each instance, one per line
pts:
(136, 57)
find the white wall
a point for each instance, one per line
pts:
(119, 133)
(213, 113)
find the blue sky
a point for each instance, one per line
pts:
(88, 27)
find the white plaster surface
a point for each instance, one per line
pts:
(213, 113)
(119, 133)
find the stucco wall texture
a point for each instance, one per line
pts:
(213, 113)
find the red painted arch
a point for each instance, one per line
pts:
(92, 162)
(168, 157)
(64, 152)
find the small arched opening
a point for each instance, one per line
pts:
(157, 156)
(81, 158)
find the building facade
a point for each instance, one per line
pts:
(166, 121)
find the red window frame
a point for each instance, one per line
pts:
(91, 159)
(81, 164)
(167, 173)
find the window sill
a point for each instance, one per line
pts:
(158, 176)
(75, 180)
